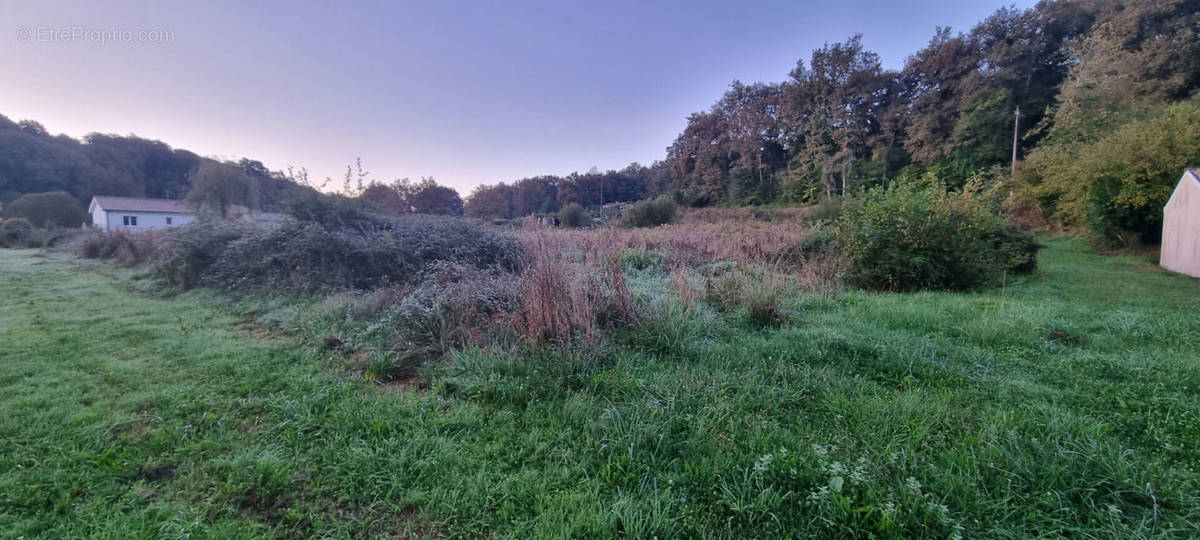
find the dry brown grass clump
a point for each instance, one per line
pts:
(563, 301)
(704, 236)
(685, 243)
(573, 282)
(682, 287)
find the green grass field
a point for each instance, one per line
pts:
(1067, 403)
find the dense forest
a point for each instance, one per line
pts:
(1101, 94)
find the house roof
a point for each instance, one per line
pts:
(1194, 173)
(132, 204)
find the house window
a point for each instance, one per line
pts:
(130, 221)
(168, 221)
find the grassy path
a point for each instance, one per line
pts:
(1067, 403)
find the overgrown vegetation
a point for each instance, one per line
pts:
(1117, 185)
(913, 237)
(573, 215)
(20, 233)
(125, 248)
(307, 256)
(651, 213)
(47, 210)
(409, 290)
(16, 233)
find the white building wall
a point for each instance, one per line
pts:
(115, 219)
(1180, 251)
(99, 217)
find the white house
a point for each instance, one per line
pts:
(133, 213)
(1181, 227)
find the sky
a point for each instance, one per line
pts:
(466, 92)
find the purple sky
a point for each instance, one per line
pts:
(466, 92)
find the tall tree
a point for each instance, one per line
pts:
(216, 187)
(537, 195)
(389, 199)
(1134, 56)
(701, 157)
(938, 80)
(833, 110)
(429, 198)
(752, 116)
(490, 202)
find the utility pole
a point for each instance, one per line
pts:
(1016, 127)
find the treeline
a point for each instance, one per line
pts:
(1077, 70)
(548, 194)
(841, 122)
(33, 161)
(36, 166)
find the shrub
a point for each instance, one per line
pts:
(651, 213)
(573, 215)
(331, 211)
(309, 256)
(555, 305)
(47, 210)
(1016, 248)
(188, 252)
(90, 245)
(16, 232)
(451, 306)
(910, 237)
(642, 259)
(828, 210)
(295, 255)
(820, 240)
(1118, 185)
(135, 248)
(126, 248)
(755, 288)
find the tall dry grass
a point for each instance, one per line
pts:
(555, 306)
(703, 236)
(565, 300)
(687, 244)
(573, 282)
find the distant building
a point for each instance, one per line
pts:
(135, 213)
(1181, 227)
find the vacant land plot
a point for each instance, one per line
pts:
(1067, 403)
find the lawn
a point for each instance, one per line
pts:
(1065, 403)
